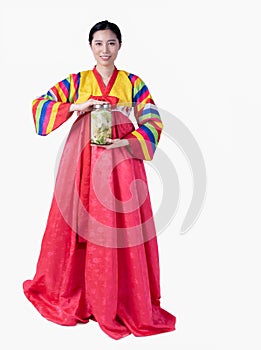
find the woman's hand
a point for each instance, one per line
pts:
(82, 108)
(115, 143)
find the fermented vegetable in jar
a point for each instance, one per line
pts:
(101, 124)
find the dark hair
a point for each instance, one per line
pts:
(105, 25)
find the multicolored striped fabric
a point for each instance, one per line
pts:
(144, 140)
(52, 109)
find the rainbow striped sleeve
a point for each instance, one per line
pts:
(144, 140)
(52, 109)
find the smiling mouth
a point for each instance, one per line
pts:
(105, 57)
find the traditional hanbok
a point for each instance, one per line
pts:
(99, 255)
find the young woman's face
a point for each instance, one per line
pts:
(105, 47)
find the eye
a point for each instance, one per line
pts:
(98, 44)
(112, 43)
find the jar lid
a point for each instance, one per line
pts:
(106, 105)
(97, 106)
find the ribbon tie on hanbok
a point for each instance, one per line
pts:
(113, 100)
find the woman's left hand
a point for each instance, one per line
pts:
(115, 143)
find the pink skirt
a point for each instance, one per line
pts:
(99, 255)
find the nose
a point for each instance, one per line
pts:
(105, 48)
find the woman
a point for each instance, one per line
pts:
(99, 254)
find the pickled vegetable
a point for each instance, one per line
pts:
(100, 126)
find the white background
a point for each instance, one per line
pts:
(201, 61)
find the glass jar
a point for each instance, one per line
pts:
(101, 124)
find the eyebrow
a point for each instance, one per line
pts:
(100, 41)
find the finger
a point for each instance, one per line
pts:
(93, 101)
(95, 145)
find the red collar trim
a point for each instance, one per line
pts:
(105, 90)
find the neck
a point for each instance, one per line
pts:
(105, 72)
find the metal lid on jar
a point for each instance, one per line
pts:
(97, 106)
(106, 105)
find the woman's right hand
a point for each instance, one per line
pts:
(84, 107)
